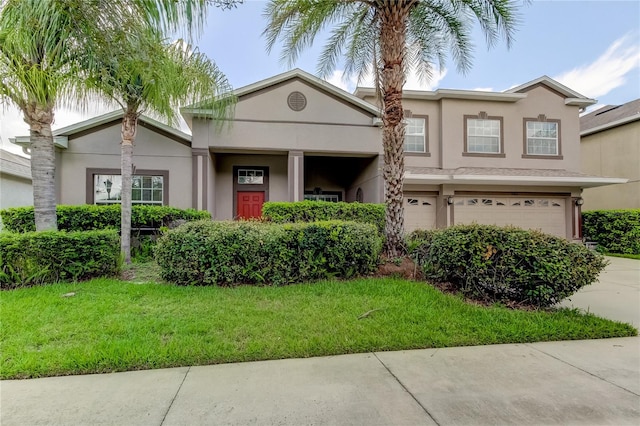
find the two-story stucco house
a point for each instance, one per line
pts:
(489, 157)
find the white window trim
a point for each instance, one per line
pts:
(423, 134)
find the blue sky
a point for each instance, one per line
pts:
(592, 47)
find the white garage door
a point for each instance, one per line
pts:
(546, 214)
(419, 212)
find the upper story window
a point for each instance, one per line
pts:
(415, 135)
(483, 135)
(542, 138)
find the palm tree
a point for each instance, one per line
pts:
(388, 37)
(41, 42)
(141, 73)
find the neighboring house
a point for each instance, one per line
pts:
(15, 180)
(610, 146)
(490, 157)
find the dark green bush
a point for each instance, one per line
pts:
(313, 211)
(505, 264)
(89, 217)
(615, 231)
(228, 253)
(46, 257)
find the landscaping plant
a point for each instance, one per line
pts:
(228, 253)
(508, 265)
(50, 256)
(615, 231)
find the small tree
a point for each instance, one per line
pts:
(143, 74)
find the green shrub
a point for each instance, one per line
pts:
(47, 257)
(313, 211)
(90, 217)
(615, 231)
(228, 253)
(506, 264)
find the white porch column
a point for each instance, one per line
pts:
(200, 178)
(296, 175)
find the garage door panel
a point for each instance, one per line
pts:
(419, 213)
(546, 214)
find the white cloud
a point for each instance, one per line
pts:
(607, 72)
(413, 81)
(484, 89)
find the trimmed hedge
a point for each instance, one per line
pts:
(505, 264)
(313, 211)
(229, 253)
(90, 217)
(615, 231)
(47, 257)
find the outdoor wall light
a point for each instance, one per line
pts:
(450, 200)
(579, 201)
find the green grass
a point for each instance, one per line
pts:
(628, 256)
(111, 325)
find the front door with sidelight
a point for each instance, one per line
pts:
(251, 187)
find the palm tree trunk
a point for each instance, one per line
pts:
(43, 166)
(129, 127)
(392, 50)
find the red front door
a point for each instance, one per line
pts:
(250, 204)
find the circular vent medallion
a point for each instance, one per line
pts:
(297, 101)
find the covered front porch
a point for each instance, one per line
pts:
(235, 184)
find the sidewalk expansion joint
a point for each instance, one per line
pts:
(406, 390)
(583, 370)
(175, 396)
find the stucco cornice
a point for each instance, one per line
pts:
(362, 92)
(501, 180)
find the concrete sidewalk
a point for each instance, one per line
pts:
(592, 382)
(577, 382)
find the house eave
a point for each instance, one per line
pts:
(580, 181)
(439, 94)
(25, 141)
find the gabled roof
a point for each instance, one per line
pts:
(448, 94)
(514, 94)
(609, 116)
(15, 165)
(322, 85)
(115, 116)
(61, 136)
(572, 97)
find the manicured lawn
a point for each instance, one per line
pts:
(628, 256)
(112, 325)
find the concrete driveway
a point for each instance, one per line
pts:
(616, 296)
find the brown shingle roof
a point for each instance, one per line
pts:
(608, 114)
(487, 171)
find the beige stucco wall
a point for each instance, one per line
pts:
(278, 183)
(15, 191)
(613, 153)
(101, 149)
(369, 180)
(538, 101)
(446, 131)
(263, 121)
